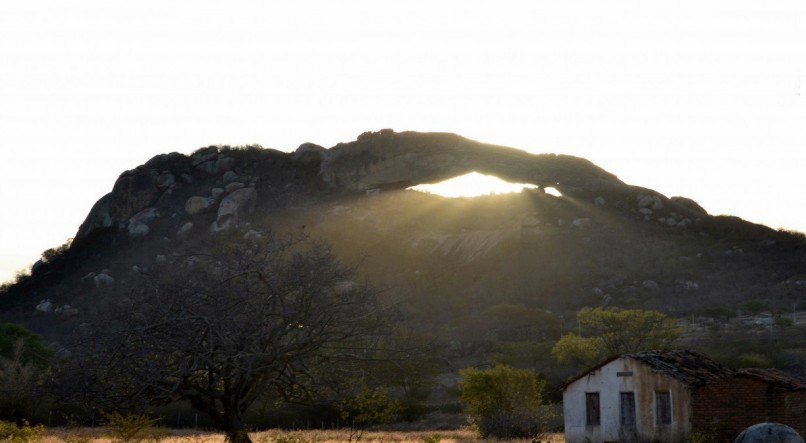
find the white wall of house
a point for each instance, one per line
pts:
(610, 381)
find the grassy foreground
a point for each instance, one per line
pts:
(98, 435)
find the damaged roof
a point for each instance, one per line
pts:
(691, 368)
(775, 377)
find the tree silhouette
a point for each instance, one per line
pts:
(220, 329)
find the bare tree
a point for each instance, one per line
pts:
(219, 330)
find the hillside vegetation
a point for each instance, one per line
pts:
(476, 281)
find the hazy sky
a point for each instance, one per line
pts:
(695, 98)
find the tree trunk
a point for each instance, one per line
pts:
(235, 430)
(238, 436)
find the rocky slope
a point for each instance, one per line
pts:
(603, 242)
(376, 161)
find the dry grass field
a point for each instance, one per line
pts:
(98, 435)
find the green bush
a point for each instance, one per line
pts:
(434, 438)
(24, 360)
(10, 432)
(132, 427)
(504, 402)
(368, 407)
(577, 352)
(33, 345)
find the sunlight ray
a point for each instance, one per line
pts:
(472, 185)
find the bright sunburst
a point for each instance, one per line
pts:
(472, 185)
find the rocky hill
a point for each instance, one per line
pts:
(453, 264)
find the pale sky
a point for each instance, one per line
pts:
(696, 98)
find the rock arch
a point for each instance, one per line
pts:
(390, 160)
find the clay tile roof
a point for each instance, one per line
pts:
(775, 377)
(695, 369)
(691, 368)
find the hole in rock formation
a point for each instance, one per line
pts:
(472, 184)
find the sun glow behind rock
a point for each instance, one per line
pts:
(472, 185)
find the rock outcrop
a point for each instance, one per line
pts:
(391, 160)
(388, 160)
(596, 242)
(134, 191)
(375, 162)
(234, 207)
(196, 204)
(139, 223)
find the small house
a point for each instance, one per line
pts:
(666, 396)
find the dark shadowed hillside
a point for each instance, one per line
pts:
(472, 273)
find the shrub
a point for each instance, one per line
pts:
(33, 345)
(435, 438)
(368, 407)
(10, 432)
(504, 402)
(576, 351)
(132, 427)
(23, 369)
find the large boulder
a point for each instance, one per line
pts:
(229, 176)
(234, 186)
(165, 180)
(134, 191)
(146, 216)
(650, 202)
(195, 205)
(769, 433)
(204, 155)
(224, 164)
(216, 193)
(44, 306)
(208, 167)
(184, 231)
(98, 218)
(309, 153)
(234, 207)
(103, 279)
(138, 230)
(689, 204)
(138, 225)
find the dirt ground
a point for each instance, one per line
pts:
(98, 435)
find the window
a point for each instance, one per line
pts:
(627, 409)
(592, 408)
(663, 408)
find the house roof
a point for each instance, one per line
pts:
(692, 368)
(695, 369)
(775, 377)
